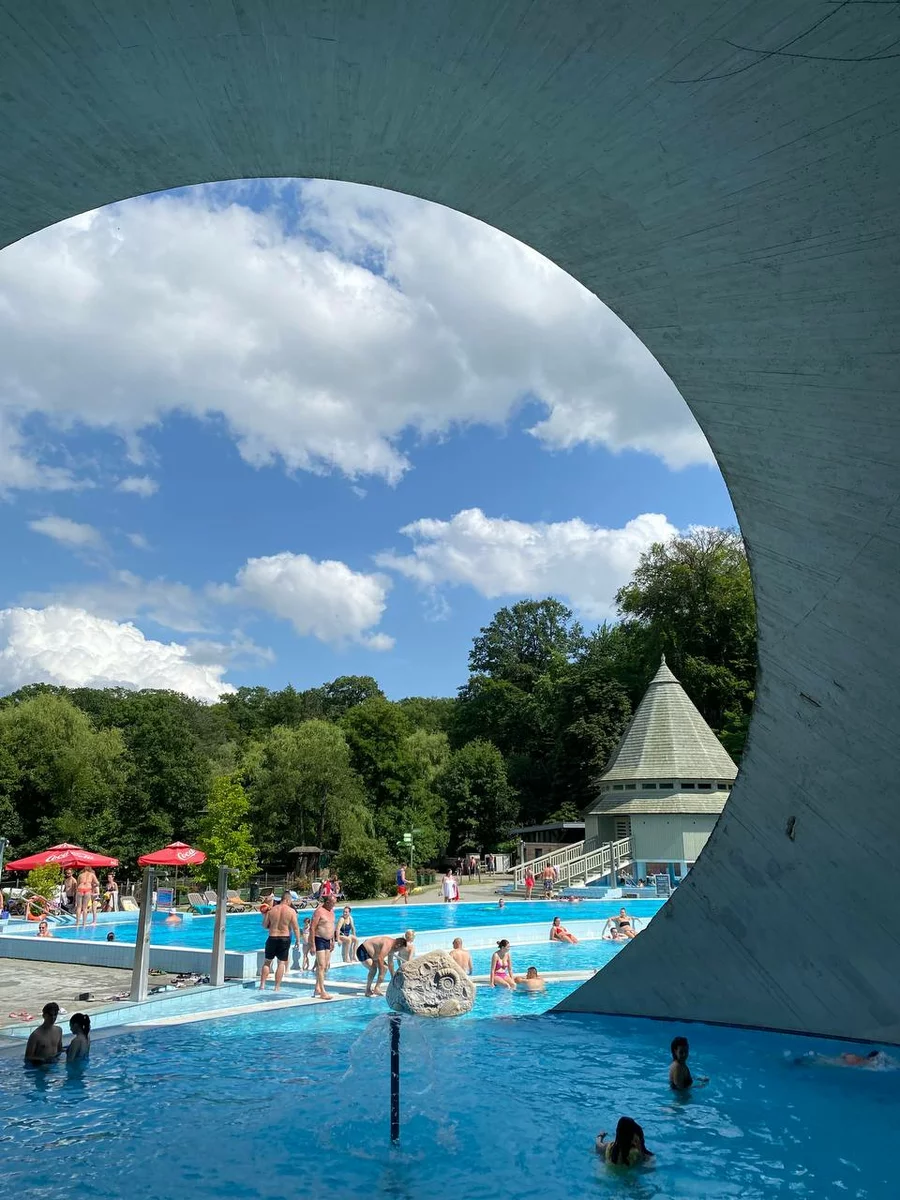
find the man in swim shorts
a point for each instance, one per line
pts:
(402, 887)
(321, 936)
(377, 954)
(45, 1043)
(281, 921)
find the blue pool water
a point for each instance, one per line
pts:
(505, 1102)
(244, 931)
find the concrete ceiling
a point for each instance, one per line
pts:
(726, 177)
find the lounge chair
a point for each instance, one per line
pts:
(210, 897)
(235, 903)
(200, 905)
(128, 904)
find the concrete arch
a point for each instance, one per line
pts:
(738, 208)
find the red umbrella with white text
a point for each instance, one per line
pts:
(176, 854)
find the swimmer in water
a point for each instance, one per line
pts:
(628, 1148)
(874, 1060)
(531, 981)
(80, 1045)
(680, 1077)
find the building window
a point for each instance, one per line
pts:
(630, 787)
(618, 787)
(707, 786)
(687, 787)
(664, 786)
(724, 787)
(650, 787)
(623, 828)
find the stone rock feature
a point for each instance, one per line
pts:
(431, 986)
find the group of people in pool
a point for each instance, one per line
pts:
(45, 1044)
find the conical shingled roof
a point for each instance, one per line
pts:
(668, 739)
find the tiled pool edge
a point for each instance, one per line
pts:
(174, 959)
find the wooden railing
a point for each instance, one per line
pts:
(556, 858)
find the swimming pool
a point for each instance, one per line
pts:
(502, 1102)
(244, 931)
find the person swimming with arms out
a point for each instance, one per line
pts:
(680, 1077)
(875, 1060)
(628, 1148)
(80, 1046)
(501, 967)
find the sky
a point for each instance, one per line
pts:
(271, 432)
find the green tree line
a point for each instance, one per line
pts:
(342, 767)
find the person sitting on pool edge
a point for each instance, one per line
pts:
(558, 932)
(501, 967)
(680, 1077)
(531, 981)
(628, 1148)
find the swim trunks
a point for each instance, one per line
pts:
(323, 943)
(277, 947)
(401, 890)
(362, 954)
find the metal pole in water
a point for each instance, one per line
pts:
(395, 1079)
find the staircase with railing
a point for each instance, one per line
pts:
(577, 863)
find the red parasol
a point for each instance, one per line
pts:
(178, 854)
(63, 855)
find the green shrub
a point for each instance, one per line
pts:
(361, 865)
(44, 880)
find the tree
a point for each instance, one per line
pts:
(60, 774)
(433, 713)
(361, 864)
(481, 805)
(346, 692)
(303, 788)
(692, 599)
(522, 641)
(225, 835)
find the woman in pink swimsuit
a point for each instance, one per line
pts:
(501, 967)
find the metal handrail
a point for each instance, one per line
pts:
(581, 865)
(554, 859)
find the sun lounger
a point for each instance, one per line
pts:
(200, 905)
(235, 903)
(128, 904)
(210, 897)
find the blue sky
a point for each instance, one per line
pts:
(278, 432)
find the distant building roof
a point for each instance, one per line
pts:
(681, 803)
(549, 828)
(668, 739)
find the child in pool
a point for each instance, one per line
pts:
(80, 1045)
(627, 1149)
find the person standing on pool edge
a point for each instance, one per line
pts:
(321, 934)
(281, 921)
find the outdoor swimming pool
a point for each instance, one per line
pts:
(503, 1102)
(244, 931)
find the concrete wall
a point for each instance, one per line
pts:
(738, 209)
(670, 839)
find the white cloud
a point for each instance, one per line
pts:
(69, 533)
(138, 541)
(19, 465)
(327, 600)
(188, 305)
(124, 595)
(139, 485)
(498, 557)
(77, 649)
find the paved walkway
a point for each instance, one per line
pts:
(26, 986)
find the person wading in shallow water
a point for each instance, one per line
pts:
(321, 934)
(46, 1043)
(281, 921)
